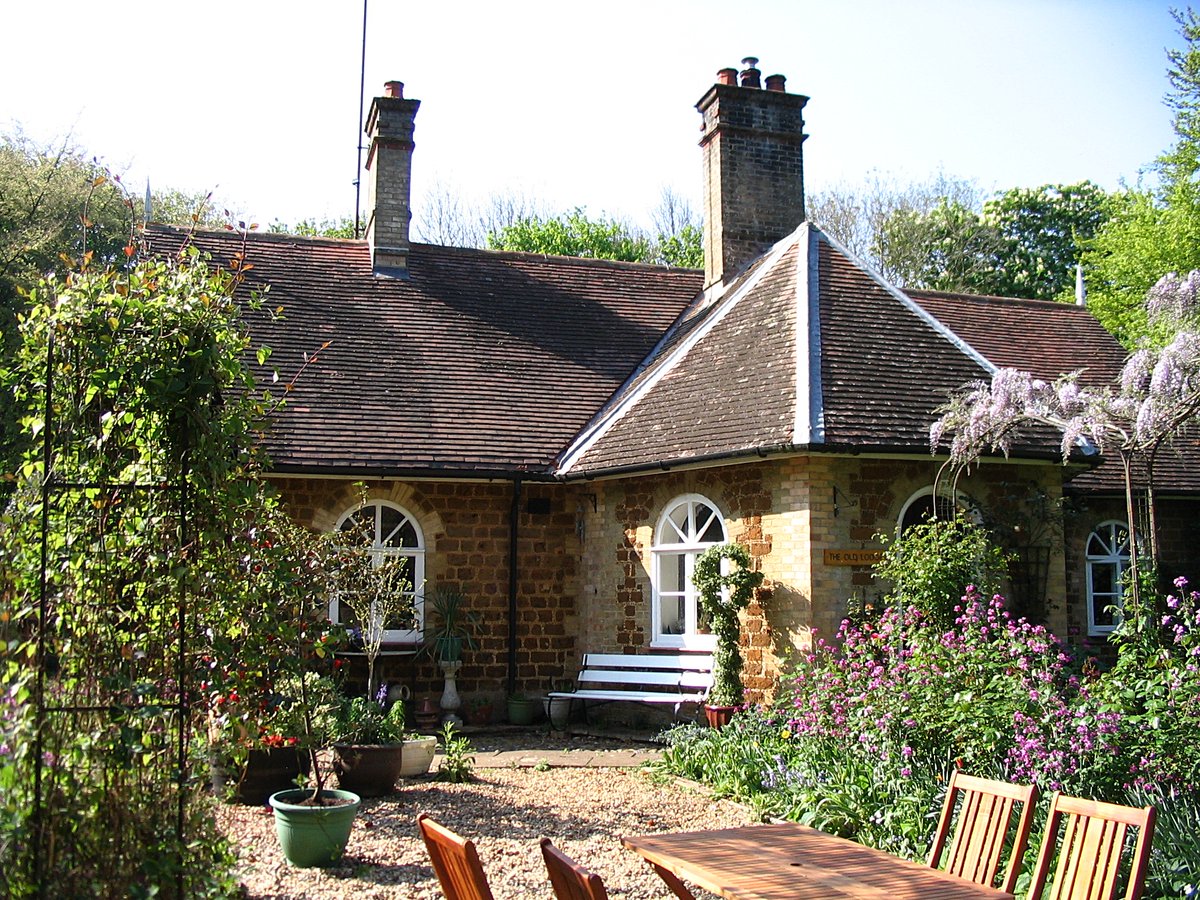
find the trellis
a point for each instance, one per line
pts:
(111, 687)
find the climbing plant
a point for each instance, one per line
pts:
(726, 588)
(144, 567)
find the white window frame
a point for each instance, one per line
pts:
(381, 550)
(667, 539)
(962, 503)
(1109, 531)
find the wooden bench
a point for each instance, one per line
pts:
(654, 678)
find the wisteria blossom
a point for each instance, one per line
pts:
(1155, 399)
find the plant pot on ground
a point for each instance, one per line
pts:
(314, 831)
(252, 777)
(724, 591)
(522, 710)
(368, 745)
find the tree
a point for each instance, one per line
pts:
(942, 235)
(573, 235)
(1042, 232)
(873, 220)
(1157, 398)
(342, 227)
(1151, 231)
(55, 201)
(947, 248)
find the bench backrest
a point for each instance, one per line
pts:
(651, 671)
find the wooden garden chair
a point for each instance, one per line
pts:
(570, 880)
(982, 830)
(455, 862)
(1089, 859)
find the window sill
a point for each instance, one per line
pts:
(397, 650)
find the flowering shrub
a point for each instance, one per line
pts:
(867, 727)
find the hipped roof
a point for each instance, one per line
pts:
(493, 364)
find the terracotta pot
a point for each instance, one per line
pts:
(718, 716)
(369, 770)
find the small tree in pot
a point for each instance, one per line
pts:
(725, 589)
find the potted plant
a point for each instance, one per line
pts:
(725, 583)
(312, 823)
(368, 735)
(449, 626)
(521, 709)
(368, 744)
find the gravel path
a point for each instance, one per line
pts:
(505, 810)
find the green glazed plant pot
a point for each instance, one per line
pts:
(522, 710)
(449, 648)
(313, 835)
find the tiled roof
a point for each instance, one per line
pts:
(1043, 337)
(785, 361)
(1050, 339)
(479, 362)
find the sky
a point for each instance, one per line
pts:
(583, 104)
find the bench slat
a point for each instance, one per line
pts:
(613, 676)
(633, 696)
(693, 662)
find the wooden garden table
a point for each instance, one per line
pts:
(773, 862)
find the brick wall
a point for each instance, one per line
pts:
(585, 562)
(466, 530)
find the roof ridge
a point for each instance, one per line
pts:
(612, 412)
(931, 320)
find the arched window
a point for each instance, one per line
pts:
(689, 526)
(920, 507)
(394, 535)
(1107, 560)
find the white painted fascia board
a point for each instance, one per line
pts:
(809, 424)
(589, 437)
(929, 319)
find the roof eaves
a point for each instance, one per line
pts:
(590, 435)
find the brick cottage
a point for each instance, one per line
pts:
(560, 438)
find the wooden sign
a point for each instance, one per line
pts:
(852, 557)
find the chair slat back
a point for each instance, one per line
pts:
(570, 880)
(455, 862)
(984, 820)
(1089, 859)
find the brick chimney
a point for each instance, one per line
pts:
(390, 126)
(753, 167)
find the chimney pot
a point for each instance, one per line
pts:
(776, 83)
(750, 74)
(727, 76)
(393, 89)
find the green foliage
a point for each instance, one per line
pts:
(342, 227)
(867, 727)
(946, 248)
(724, 590)
(572, 235)
(364, 720)
(449, 625)
(1042, 233)
(173, 577)
(683, 249)
(1153, 231)
(931, 563)
(1025, 243)
(458, 757)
